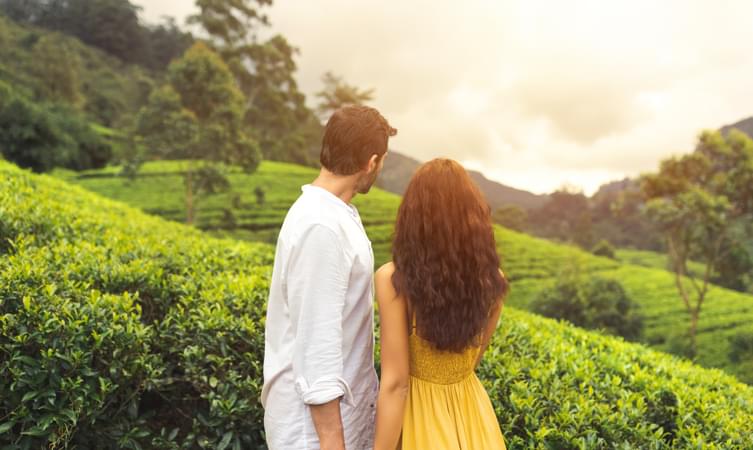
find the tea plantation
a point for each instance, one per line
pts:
(531, 263)
(123, 330)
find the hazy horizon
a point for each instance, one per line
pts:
(533, 94)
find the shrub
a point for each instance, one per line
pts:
(598, 303)
(604, 248)
(741, 353)
(113, 335)
(44, 136)
(120, 330)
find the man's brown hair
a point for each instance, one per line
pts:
(353, 134)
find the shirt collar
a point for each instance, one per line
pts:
(331, 197)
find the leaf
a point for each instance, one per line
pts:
(4, 427)
(225, 440)
(35, 431)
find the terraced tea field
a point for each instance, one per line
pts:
(531, 263)
(121, 327)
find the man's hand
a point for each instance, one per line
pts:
(329, 425)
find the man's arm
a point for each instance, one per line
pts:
(317, 282)
(329, 425)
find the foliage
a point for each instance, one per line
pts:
(557, 386)
(57, 67)
(259, 192)
(511, 217)
(531, 263)
(596, 303)
(699, 202)
(741, 352)
(604, 248)
(111, 25)
(119, 330)
(47, 66)
(156, 331)
(275, 108)
(43, 136)
(566, 216)
(197, 117)
(337, 93)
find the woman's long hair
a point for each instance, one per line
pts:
(445, 257)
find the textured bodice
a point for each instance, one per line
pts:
(440, 367)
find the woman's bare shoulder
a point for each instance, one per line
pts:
(385, 272)
(383, 282)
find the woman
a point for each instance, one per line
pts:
(439, 302)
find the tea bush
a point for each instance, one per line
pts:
(121, 330)
(531, 263)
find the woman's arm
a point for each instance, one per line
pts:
(491, 327)
(393, 389)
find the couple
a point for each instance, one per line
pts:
(439, 301)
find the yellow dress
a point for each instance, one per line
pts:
(447, 406)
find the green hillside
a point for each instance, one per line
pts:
(44, 65)
(120, 329)
(532, 263)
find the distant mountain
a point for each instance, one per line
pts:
(399, 168)
(615, 187)
(745, 125)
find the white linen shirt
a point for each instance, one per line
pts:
(319, 333)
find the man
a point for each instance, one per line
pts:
(320, 386)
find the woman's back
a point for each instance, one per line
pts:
(436, 366)
(447, 407)
(445, 270)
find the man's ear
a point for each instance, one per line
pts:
(373, 163)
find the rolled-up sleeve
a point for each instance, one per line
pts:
(317, 282)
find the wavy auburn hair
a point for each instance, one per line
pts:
(445, 257)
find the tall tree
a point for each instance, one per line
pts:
(565, 216)
(275, 108)
(165, 42)
(703, 204)
(198, 118)
(512, 217)
(112, 25)
(337, 93)
(57, 68)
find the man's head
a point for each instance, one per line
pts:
(355, 143)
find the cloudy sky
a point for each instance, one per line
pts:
(535, 94)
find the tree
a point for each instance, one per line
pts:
(57, 68)
(260, 194)
(566, 216)
(41, 136)
(512, 217)
(198, 118)
(700, 202)
(275, 108)
(112, 25)
(337, 93)
(20, 10)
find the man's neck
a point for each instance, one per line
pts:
(342, 186)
